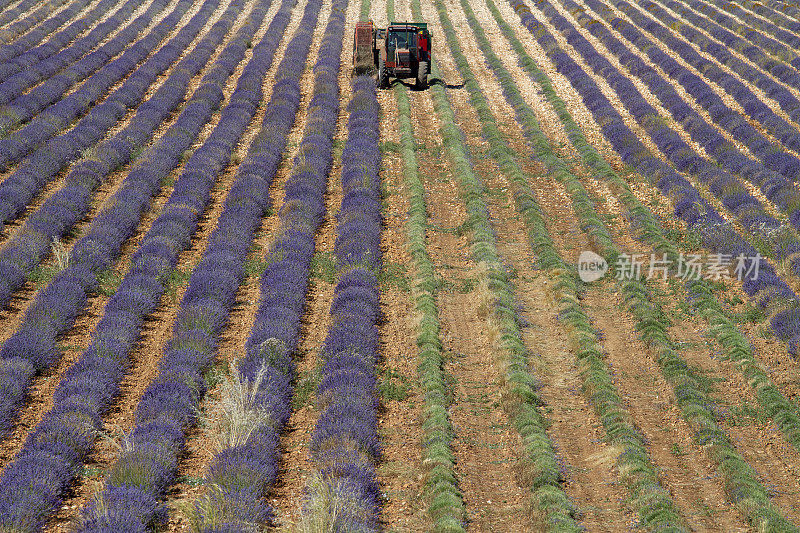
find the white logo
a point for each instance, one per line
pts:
(591, 266)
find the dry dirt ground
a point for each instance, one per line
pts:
(486, 446)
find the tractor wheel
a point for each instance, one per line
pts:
(383, 79)
(422, 75)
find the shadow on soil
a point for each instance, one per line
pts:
(432, 81)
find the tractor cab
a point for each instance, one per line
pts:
(400, 40)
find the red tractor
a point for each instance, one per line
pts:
(403, 50)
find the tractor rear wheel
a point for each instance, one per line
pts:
(422, 75)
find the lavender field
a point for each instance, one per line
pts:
(244, 289)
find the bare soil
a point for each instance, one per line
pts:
(486, 446)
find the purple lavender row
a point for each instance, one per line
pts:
(5, 3)
(736, 198)
(24, 52)
(169, 404)
(67, 206)
(721, 52)
(784, 44)
(64, 111)
(44, 164)
(768, 289)
(739, 128)
(60, 442)
(774, 16)
(770, 155)
(345, 446)
(788, 75)
(59, 213)
(46, 28)
(239, 476)
(32, 347)
(21, 106)
(77, 60)
(745, 207)
(19, 22)
(788, 9)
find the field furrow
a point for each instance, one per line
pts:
(254, 277)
